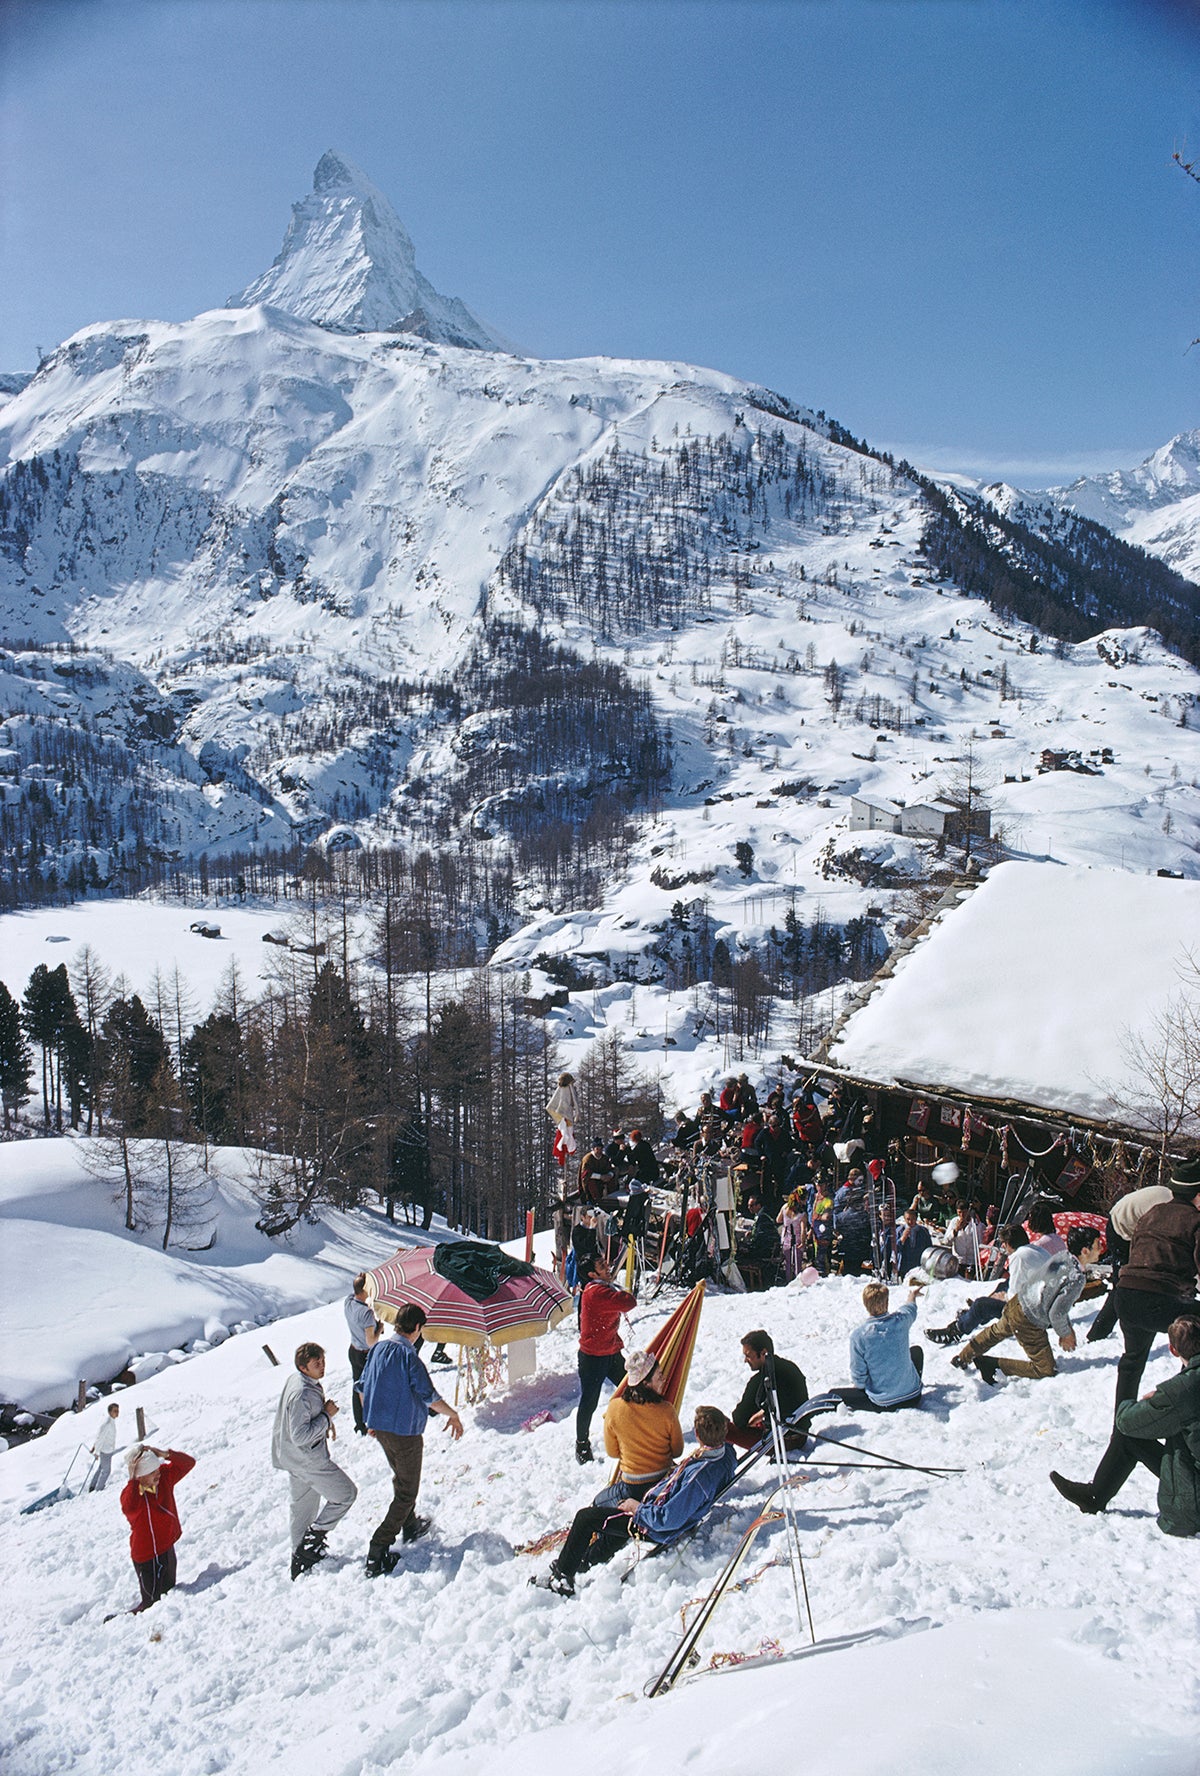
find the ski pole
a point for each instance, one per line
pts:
(779, 1441)
(890, 1460)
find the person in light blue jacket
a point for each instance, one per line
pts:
(884, 1368)
(674, 1506)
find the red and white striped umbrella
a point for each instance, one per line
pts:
(522, 1307)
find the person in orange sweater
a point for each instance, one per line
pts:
(642, 1431)
(148, 1501)
(600, 1308)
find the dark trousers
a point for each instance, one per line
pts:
(404, 1459)
(155, 1578)
(593, 1373)
(1143, 1314)
(358, 1362)
(980, 1312)
(861, 1401)
(611, 1530)
(1120, 1459)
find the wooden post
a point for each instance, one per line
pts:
(80, 1397)
(271, 1354)
(529, 1236)
(141, 1424)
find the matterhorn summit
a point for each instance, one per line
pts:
(348, 263)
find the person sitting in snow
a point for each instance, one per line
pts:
(884, 1368)
(674, 1506)
(1043, 1287)
(748, 1425)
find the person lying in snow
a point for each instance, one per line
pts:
(675, 1505)
(1162, 1432)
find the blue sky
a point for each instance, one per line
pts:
(952, 224)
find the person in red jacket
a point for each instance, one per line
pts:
(600, 1308)
(148, 1501)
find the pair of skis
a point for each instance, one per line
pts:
(685, 1652)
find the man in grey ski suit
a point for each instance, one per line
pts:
(303, 1422)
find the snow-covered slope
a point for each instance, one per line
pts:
(83, 1297)
(1155, 505)
(973, 1622)
(348, 263)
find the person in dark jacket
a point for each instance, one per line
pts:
(1162, 1432)
(1159, 1281)
(398, 1399)
(748, 1424)
(912, 1241)
(852, 1223)
(666, 1512)
(764, 1245)
(148, 1501)
(773, 1146)
(600, 1308)
(642, 1160)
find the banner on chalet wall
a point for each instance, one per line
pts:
(918, 1116)
(950, 1116)
(1073, 1175)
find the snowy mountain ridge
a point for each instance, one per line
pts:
(1155, 506)
(348, 263)
(290, 564)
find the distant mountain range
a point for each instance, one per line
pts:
(332, 558)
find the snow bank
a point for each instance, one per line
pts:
(82, 1295)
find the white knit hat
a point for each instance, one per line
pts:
(142, 1462)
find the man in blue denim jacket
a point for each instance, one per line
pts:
(398, 1398)
(674, 1505)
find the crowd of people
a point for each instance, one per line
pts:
(1153, 1245)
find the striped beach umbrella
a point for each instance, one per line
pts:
(522, 1307)
(673, 1344)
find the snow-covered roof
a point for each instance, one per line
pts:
(1028, 987)
(880, 803)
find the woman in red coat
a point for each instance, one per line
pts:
(148, 1501)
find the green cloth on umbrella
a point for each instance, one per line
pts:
(476, 1267)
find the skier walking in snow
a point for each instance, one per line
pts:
(148, 1501)
(299, 1446)
(398, 1398)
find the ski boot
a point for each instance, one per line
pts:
(380, 1562)
(1079, 1493)
(583, 1451)
(554, 1580)
(440, 1357)
(309, 1552)
(944, 1334)
(415, 1528)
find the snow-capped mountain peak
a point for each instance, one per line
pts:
(348, 263)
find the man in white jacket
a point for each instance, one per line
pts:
(1043, 1287)
(303, 1422)
(103, 1448)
